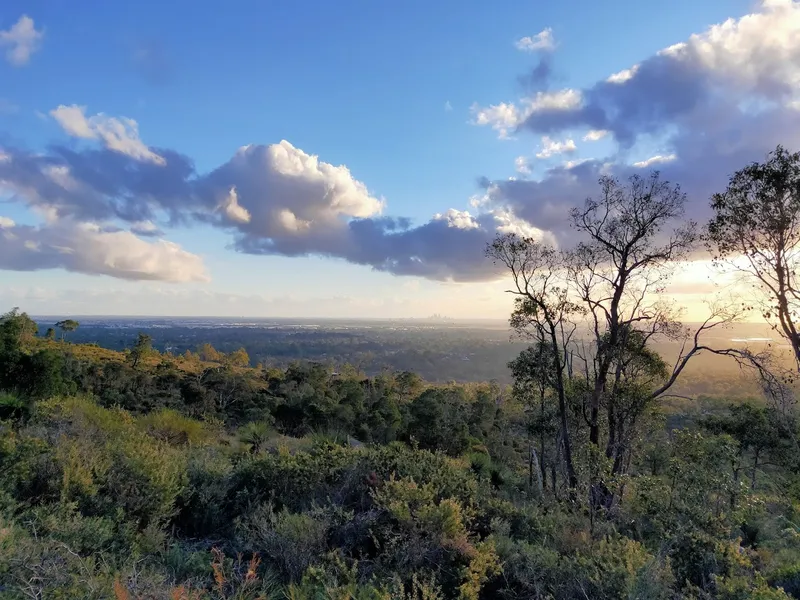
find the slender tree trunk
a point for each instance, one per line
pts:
(530, 465)
(542, 465)
(736, 467)
(755, 469)
(572, 478)
(594, 413)
(535, 459)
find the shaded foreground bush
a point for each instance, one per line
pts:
(100, 503)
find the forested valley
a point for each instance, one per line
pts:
(137, 474)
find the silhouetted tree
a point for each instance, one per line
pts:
(66, 326)
(17, 327)
(755, 232)
(543, 312)
(630, 239)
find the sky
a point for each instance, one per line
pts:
(353, 158)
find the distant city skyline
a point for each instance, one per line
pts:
(348, 160)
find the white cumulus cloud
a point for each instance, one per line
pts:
(507, 116)
(551, 147)
(595, 135)
(502, 117)
(460, 219)
(21, 40)
(117, 134)
(522, 166)
(543, 41)
(88, 248)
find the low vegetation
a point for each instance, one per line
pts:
(180, 478)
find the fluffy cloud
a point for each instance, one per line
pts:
(732, 67)
(300, 205)
(542, 41)
(507, 117)
(88, 248)
(740, 65)
(21, 40)
(273, 199)
(522, 165)
(449, 247)
(595, 135)
(119, 135)
(551, 147)
(502, 117)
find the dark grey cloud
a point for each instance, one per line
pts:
(660, 90)
(704, 157)
(448, 247)
(539, 77)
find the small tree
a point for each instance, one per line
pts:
(208, 353)
(544, 313)
(239, 358)
(757, 429)
(256, 435)
(51, 333)
(67, 326)
(17, 327)
(141, 349)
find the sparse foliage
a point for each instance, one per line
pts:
(141, 349)
(66, 326)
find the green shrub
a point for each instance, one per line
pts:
(787, 578)
(202, 507)
(175, 429)
(747, 588)
(13, 408)
(107, 463)
(614, 568)
(292, 541)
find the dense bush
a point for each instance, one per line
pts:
(218, 483)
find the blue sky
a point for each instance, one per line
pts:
(399, 94)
